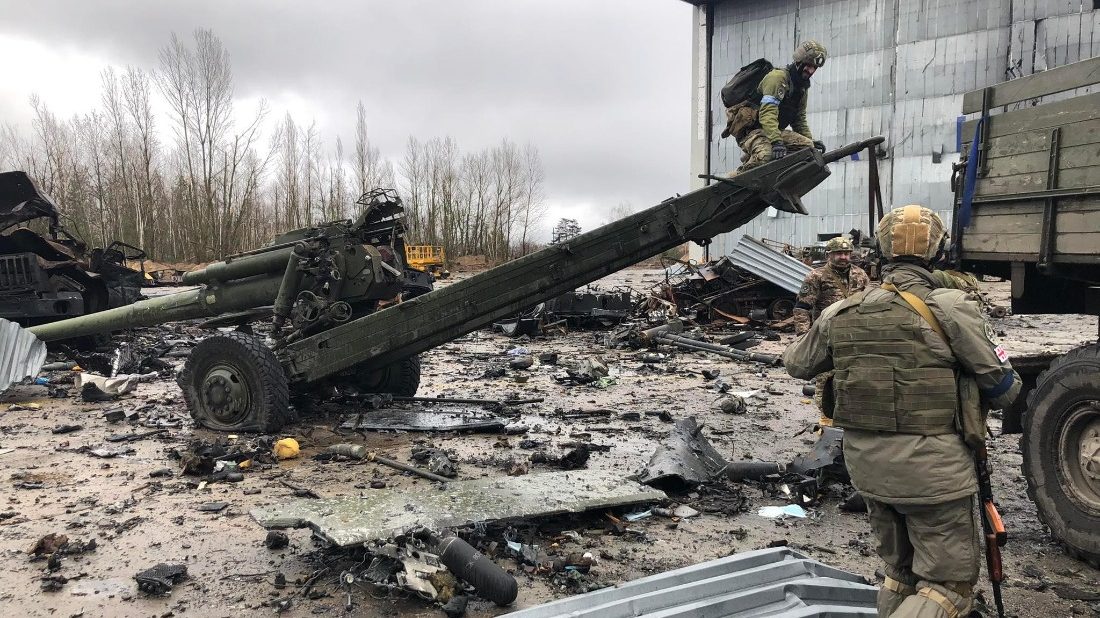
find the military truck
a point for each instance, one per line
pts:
(1027, 208)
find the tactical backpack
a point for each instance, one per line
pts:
(741, 86)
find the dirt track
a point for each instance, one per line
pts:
(138, 521)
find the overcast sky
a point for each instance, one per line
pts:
(601, 87)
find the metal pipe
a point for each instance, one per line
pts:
(733, 353)
(397, 465)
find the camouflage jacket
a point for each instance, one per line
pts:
(823, 287)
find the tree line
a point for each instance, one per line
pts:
(210, 184)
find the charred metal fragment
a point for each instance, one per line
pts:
(688, 458)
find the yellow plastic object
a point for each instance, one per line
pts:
(287, 448)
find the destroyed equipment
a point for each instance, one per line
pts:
(53, 276)
(335, 291)
(742, 85)
(993, 528)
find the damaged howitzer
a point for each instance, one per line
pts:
(334, 293)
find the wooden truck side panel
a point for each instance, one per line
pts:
(1035, 215)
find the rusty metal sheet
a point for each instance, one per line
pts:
(21, 354)
(766, 582)
(438, 418)
(384, 513)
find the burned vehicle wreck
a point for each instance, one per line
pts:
(52, 276)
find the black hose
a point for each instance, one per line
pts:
(473, 567)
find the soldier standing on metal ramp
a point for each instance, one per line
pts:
(759, 121)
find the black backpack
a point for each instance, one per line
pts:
(741, 86)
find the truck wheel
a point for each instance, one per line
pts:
(233, 382)
(1061, 448)
(401, 378)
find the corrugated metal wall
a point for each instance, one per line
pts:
(897, 68)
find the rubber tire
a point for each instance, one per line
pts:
(401, 378)
(270, 389)
(1070, 379)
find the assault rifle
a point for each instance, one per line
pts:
(993, 528)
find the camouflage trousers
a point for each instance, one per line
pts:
(757, 150)
(932, 557)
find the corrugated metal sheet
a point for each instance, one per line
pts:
(768, 582)
(21, 354)
(763, 261)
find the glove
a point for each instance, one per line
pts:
(820, 145)
(779, 150)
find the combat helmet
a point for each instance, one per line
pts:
(911, 231)
(839, 243)
(810, 52)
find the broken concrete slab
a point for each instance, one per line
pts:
(384, 513)
(438, 418)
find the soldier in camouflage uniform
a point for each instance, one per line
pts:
(760, 124)
(916, 367)
(836, 280)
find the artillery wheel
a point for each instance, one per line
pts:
(233, 382)
(401, 378)
(1061, 448)
(781, 309)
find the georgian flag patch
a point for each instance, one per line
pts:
(1002, 355)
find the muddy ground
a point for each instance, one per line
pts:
(55, 486)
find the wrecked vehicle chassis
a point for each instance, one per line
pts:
(54, 276)
(333, 287)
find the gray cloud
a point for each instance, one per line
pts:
(602, 88)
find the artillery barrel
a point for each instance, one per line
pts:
(204, 301)
(240, 267)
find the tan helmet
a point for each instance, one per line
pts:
(839, 243)
(810, 52)
(911, 230)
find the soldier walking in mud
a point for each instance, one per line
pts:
(760, 124)
(916, 367)
(836, 280)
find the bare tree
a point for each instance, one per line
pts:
(219, 169)
(531, 205)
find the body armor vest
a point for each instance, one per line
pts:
(887, 378)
